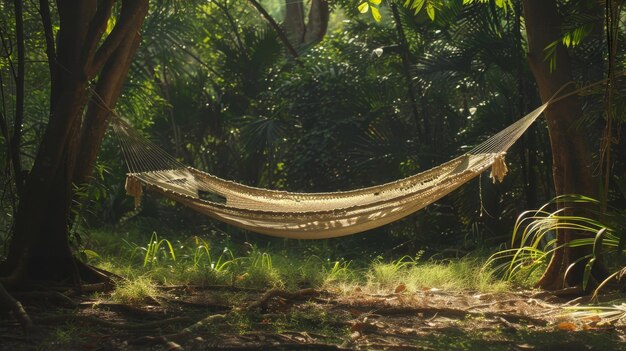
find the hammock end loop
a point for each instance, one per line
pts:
(498, 168)
(133, 188)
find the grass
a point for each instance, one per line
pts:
(194, 260)
(135, 291)
(312, 318)
(599, 229)
(462, 274)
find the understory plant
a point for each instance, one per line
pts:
(534, 239)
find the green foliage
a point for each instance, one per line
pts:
(462, 274)
(338, 272)
(577, 26)
(157, 250)
(389, 275)
(222, 96)
(135, 291)
(534, 234)
(371, 6)
(456, 275)
(200, 262)
(608, 313)
(259, 271)
(430, 6)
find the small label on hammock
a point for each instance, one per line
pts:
(133, 188)
(498, 168)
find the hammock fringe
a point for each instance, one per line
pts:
(134, 188)
(499, 168)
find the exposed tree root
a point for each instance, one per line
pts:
(564, 292)
(46, 296)
(493, 303)
(283, 347)
(209, 287)
(458, 313)
(391, 347)
(309, 335)
(185, 333)
(9, 303)
(62, 318)
(170, 339)
(109, 275)
(212, 319)
(117, 307)
(213, 307)
(96, 287)
(263, 302)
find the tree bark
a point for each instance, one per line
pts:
(421, 126)
(571, 153)
(294, 22)
(39, 248)
(16, 139)
(97, 116)
(303, 34)
(318, 22)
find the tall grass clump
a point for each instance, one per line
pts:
(157, 250)
(203, 266)
(463, 274)
(313, 272)
(339, 272)
(257, 270)
(534, 235)
(298, 273)
(385, 275)
(460, 274)
(135, 291)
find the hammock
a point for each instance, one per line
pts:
(307, 215)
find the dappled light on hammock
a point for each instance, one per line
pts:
(308, 215)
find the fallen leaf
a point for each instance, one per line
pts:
(400, 288)
(359, 327)
(171, 346)
(569, 326)
(591, 319)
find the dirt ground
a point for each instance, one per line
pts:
(227, 318)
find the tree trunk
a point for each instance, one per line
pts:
(572, 156)
(318, 22)
(97, 116)
(16, 140)
(39, 248)
(294, 22)
(303, 34)
(421, 125)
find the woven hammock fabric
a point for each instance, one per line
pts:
(310, 215)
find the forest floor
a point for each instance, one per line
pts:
(186, 317)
